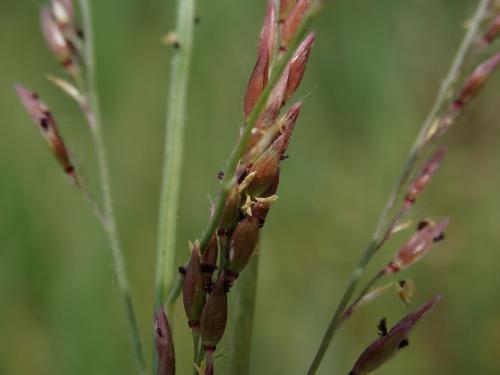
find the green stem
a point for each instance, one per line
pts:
(234, 159)
(246, 292)
(93, 116)
(174, 147)
(372, 247)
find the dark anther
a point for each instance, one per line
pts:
(440, 237)
(422, 224)
(402, 283)
(458, 104)
(44, 123)
(182, 270)
(403, 344)
(227, 287)
(34, 95)
(208, 268)
(261, 222)
(382, 327)
(242, 177)
(176, 44)
(220, 175)
(197, 20)
(70, 169)
(159, 331)
(284, 157)
(80, 34)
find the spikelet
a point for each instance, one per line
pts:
(47, 125)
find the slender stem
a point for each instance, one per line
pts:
(349, 311)
(246, 292)
(372, 247)
(234, 159)
(110, 227)
(174, 147)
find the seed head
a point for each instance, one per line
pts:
(42, 117)
(417, 247)
(164, 344)
(390, 343)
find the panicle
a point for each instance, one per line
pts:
(44, 120)
(390, 343)
(164, 344)
(417, 247)
(193, 291)
(476, 81)
(423, 179)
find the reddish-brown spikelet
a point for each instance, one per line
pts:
(389, 344)
(243, 243)
(214, 316)
(267, 166)
(56, 41)
(42, 117)
(292, 22)
(476, 81)
(260, 74)
(297, 65)
(262, 137)
(164, 344)
(423, 179)
(417, 247)
(193, 291)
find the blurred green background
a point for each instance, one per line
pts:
(373, 75)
